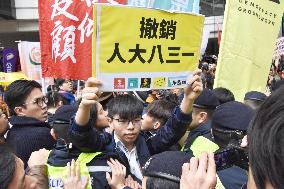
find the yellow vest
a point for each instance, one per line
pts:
(56, 174)
(202, 144)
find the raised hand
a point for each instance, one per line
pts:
(199, 173)
(73, 179)
(117, 180)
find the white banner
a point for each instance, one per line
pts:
(30, 59)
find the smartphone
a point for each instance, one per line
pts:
(229, 157)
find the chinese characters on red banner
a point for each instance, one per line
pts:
(66, 28)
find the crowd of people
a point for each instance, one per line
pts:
(192, 138)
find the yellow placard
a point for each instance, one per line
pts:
(130, 40)
(248, 40)
(7, 78)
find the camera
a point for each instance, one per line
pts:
(204, 66)
(233, 155)
(211, 59)
(163, 93)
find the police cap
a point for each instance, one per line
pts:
(255, 95)
(166, 165)
(232, 115)
(206, 100)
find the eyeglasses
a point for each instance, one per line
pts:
(124, 122)
(38, 101)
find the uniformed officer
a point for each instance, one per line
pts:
(200, 138)
(254, 99)
(229, 124)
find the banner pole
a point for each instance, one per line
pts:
(43, 85)
(78, 88)
(149, 3)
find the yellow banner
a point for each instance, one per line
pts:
(248, 40)
(132, 40)
(7, 78)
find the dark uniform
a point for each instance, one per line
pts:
(229, 124)
(200, 138)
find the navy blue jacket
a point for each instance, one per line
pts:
(202, 130)
(88, 139)
(149, 134)
(28, 135)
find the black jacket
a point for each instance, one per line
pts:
(28, 135)
(175, 147)
(202, 130)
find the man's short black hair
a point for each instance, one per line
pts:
(160, 183)
(208, 111)
(17, 92)
(7, 166)
(266, 141)
(59, 82)
(161, 110)
(224, 95)
(54, 98)
(125, 106)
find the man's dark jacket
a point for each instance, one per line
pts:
(28, 135)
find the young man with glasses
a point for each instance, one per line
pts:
(28, 110)
(125, 113)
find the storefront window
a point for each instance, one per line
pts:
(7, 9)
(212, 7)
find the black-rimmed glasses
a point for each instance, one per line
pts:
(38, 101)
(125, 122)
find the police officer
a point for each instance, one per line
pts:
(254, 99)
(229, 124)
(199, 138)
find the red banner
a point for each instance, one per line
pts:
(66, 28)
